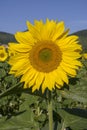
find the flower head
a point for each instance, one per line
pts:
(45, 55)
(3, 53)
(2, 48)
(84, 55)
(11, 53)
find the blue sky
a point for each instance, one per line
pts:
(15, 13)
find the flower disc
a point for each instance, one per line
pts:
(45, 56)
(3, 53)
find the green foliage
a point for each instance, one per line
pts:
(23, 119)
(9, 105)
(20, 109)
(76, 119)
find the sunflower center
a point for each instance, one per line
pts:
(45, 56)
(2, 55)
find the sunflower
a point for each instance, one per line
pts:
(3, 53)
(2, 48)
(11, 53)
(84, 55)
(45, 55)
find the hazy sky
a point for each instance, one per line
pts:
(15, 13)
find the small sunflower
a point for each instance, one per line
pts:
(45, 55)
(11, 53)
(2, 48)
(84, 55)
(3, 53)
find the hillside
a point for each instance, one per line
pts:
(5, 38)
(82, 38)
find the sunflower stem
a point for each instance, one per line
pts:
(50, 114)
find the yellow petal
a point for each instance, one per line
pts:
(62, 75)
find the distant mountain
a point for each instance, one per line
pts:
(82, 38)
(5, 38)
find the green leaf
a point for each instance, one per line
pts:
(18, 88)
(24, 119)
(10, 80)
(76, 119)
(12, 90)
(4, 65)
(2, 73)
(80, 96)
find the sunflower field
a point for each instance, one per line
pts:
(43, 79)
